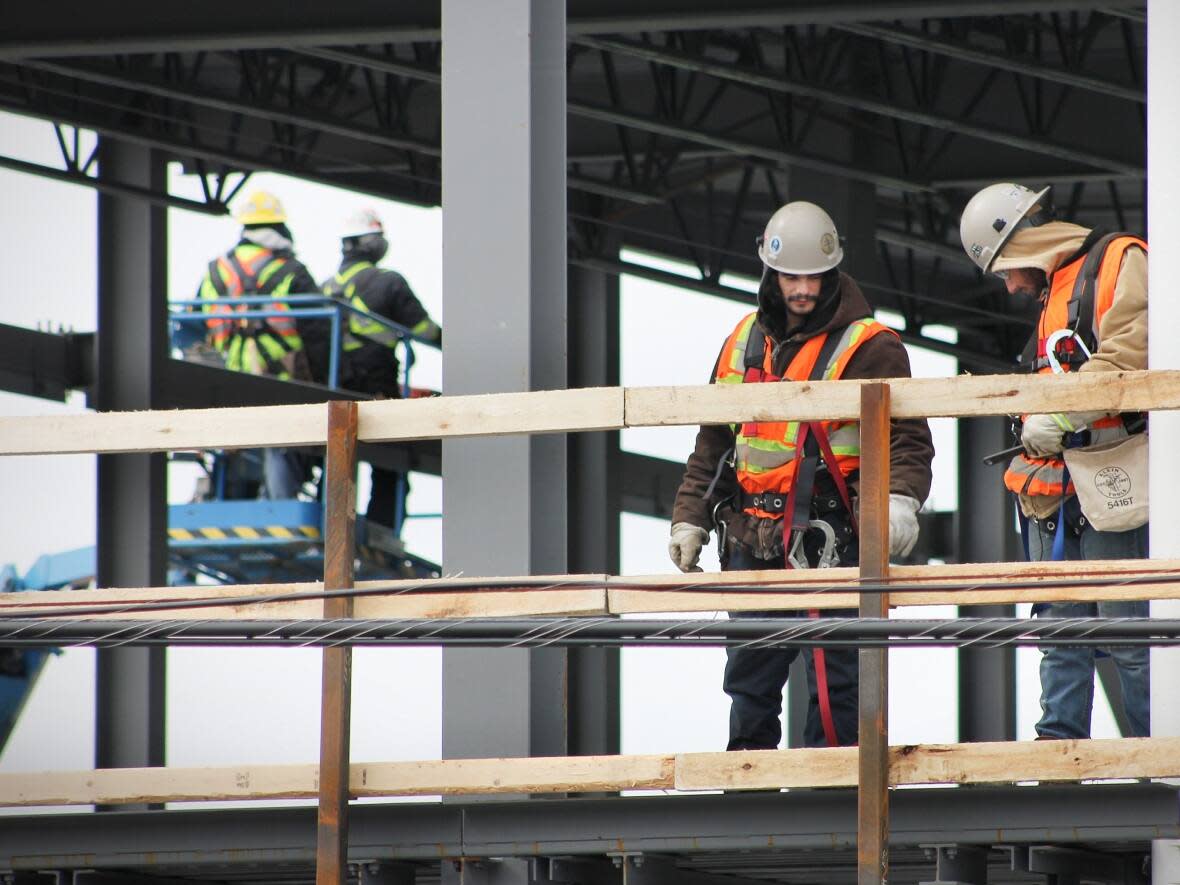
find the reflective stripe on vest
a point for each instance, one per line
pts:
(764, 452)
(254, 346)
(361, 328)
(1042, 476)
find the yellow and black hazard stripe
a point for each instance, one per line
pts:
(247, 533)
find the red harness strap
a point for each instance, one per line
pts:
(823, 694)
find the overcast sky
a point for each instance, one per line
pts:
(672, 698)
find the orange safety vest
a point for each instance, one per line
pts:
(764, 451)
(1027, 475)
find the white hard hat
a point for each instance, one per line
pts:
(800, 238)
(361, 223)
(993, 215)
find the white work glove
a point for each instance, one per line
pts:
(685, 546)
(1044, 435)
(903, 524)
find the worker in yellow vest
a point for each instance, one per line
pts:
(783, 494)
(370, 362)
(263, 263)
(1092, 286)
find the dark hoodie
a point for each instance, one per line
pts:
(882, 356)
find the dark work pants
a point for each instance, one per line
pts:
(383, 497)
(755, 678)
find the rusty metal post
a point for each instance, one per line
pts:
(872, 826)
(339, 542)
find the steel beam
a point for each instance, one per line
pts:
(131, 346)
(148, 83)
(872, 829)
(39, 30)
(994, 59)
(336, 690)
(776, 155)
(504, 498)
(824, 821)
(830, 94)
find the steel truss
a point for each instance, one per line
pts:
(682, 140)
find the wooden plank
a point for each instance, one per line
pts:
(546, 411)
(163, 431)
(872, 796)
(961, 396)
(559, 411)
(399, 604)
(633, 602)
(406, 599)
(1049, 761)
(336, 690)
(975, 763)
(428, 778)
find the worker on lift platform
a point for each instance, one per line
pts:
(263, 263)
(370, 363)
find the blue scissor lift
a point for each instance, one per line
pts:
(244, 541)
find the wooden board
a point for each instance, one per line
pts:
(627, 594)
(558, 411)
(467, 604)
(162, 431)
(547, 411)
(749, 770)
(962, 396)
(1006, 762)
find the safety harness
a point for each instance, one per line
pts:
(810, 446)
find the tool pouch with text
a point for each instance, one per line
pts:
(1111, 482)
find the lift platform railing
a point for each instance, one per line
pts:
(200, 311)
(167, 614)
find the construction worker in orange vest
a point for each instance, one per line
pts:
(263, 263)
(1092, 286)
(782, 494)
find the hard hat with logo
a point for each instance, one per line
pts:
(800, 238)
(261, 207)
(994, 214)
(362, 223)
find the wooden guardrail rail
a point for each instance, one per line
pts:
(874, 766)
(1049, 761)
(561, 411)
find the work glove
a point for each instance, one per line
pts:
(1044, 435)
(903, 524)
(685, 546)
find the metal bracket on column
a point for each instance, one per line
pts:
(957, 864)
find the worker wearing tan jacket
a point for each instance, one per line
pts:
(1009, 230)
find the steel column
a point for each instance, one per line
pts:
(335, 699)
(131, 346)
(504, 272)
(1163, 198)
(872, 831)
(987, 677)
(595, 496)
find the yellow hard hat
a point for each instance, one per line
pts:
(261, 207)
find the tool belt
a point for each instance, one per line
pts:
(825, 497)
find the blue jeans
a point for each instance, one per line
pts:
(1067, 674)
(755, 677)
